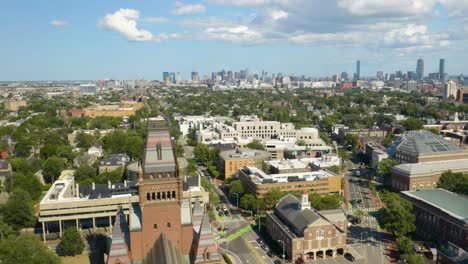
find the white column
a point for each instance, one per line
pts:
(94, 223)
(60, 228)
(43, 232)
(77, 227)
(110, 221)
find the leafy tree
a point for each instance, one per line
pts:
(325, 138)
(405, 247)
(26, 248)
(384, 167)
(248, 202)
(236, 187)
(133, 146)
(202, 152)
(5, 229)
(18, 210)
(27, 182)
(412, 124)
(454, 181)
(71, 243)
(301, 143)
(85, 172)
(192, 168)
(272, 197)
(334, 169)
(351, 140)
(112, 176)
(255, 145)
(343, 156)
(359, 214)
(20, 164)
(397, 216)
(388, 140)
(325, 202)
(52, 168)
(84, 140)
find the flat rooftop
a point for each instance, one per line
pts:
(287, 164)
(258, 176)
(432, 167)
(244, 153)
(449, 202)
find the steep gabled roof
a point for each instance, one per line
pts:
(118, 253)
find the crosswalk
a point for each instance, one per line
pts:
(230, 219)
(372, 209)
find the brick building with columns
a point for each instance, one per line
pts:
(306, 232)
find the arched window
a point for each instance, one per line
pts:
(153, 196)
(164, 195)
(159, 195)
(173, 194)
(148, 196)
(168, 195)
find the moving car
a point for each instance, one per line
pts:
(349, 257)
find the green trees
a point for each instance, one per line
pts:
(412, 124)
(119, 141)
(351, 140)
(388, 140)
(27, 182)
(71, 243)
(236, 187)
(454, 182)
(52, 168)
(272, 197)
(248, 201)
(202, 152)
(255, 145)
(85, 174)
(26, 249)
(85, 140)
(18, 210)
(325, 202)
(384, 167)
(397, 216)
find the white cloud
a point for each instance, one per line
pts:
(187, 9)
(124, 21)
(455, 7)
(236, 35)
(58, 23)
(329, 39)
(393, 7)
(157, 20)
(203, 22)
(278, 14)
(243, 3)
(415, 36)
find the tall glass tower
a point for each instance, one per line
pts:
(420, 69)
(358, 69)
(441, 68)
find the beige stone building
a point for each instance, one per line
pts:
(230, 161)
(258, 183)
(121, 110)
(305, 232)
(14, 104)
(424, 175)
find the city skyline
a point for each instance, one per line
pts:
(139, 40)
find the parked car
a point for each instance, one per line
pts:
(349, 257)
(260, 241)
(265, 247)
(277, 261)
(271, 254)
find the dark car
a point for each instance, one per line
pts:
(271, 254)
(277, 261)
(349, 257)
(259, 241)
(265, 247)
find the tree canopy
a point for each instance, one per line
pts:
(397, 216)
(26, 248)
(18, 211)
(71, 243)
(454, 182)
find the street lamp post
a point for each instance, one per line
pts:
(282, 242)
(237, 200)
(251, 213)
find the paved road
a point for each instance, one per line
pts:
(364, 239)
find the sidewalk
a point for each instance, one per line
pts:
(391, 246)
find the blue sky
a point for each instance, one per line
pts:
(134, 39)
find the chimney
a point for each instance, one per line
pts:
(94, 187)
(77, 190)
(305, 204)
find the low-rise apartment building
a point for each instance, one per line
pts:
(258, 183)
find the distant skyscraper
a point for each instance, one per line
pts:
(195, 77)
(420, 69)
(165, 76)
(441, 68)
(380, 75)
(358, 69)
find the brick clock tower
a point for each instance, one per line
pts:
(160, 191)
